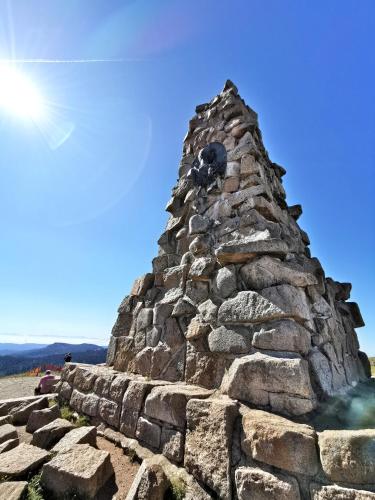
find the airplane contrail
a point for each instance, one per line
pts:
(66, 61)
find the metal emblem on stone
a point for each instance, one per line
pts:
(210, 162)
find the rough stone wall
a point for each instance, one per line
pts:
(231, 450)
(234, 290)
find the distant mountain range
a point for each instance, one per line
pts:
(20, 358)
(7, 348)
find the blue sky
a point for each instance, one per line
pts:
(82, 197)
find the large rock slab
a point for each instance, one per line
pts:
(142, 284)
(202, 268)
(80, 435)
(20, 416)
(40, 418)
(283, 383)
(148, 432)
(355, 314)
(9, 445)
(268, 271)
(111, 350)
(150, 482)
(168, 403)
(280, 442)
(197, 329)
(321, 371)
(230, 339)
(64, 390)
(144, 318)
(282, 335)
(103, 383)
(47, 436)
(172, 444)
(118, 387)
(226, 282)
(13, 490)
(248, 307)
(89, 404)
(132, 403)
(131, 407)
(348, 456)
(246, 249)
(209, 441)
(21, 460)
(81, 469)
(76, 400)
(205, 368)
(290, 299)
(208, 311)
(9, 406)
(7, 431)
(84, 379)
(256, 484)
(109, 411)
(198, 224)
(319, 492)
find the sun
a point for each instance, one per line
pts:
(19, 95)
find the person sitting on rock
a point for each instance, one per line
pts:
(68, 357)
(45, 384)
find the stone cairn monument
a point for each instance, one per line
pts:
(236, 335)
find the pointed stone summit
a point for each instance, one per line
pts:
(235, 301)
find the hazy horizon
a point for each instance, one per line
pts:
(49, 339)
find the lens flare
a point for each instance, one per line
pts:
(19, 95)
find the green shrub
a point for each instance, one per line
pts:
(178, 487)
(82, 420)
(66, 413)
(35, 491)
(34, 488)
(72, 416)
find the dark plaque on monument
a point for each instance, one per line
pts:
(210, 162)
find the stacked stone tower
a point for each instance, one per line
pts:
(235, 302)
(235, 326)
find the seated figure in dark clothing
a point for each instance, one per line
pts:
(68, 357)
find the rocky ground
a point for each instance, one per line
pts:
(125, 471)
(25, 448)
(17, 387)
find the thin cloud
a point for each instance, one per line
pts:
(66, 61)
(51, 335)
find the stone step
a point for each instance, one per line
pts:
(10, 406)
(21, 416)
(9, 445)
(80, 435)
(47, 436)
(21, 460)
(7, 431)
(13, 490)
(40, 418)
(81, 469)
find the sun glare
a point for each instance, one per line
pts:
(19, 95)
